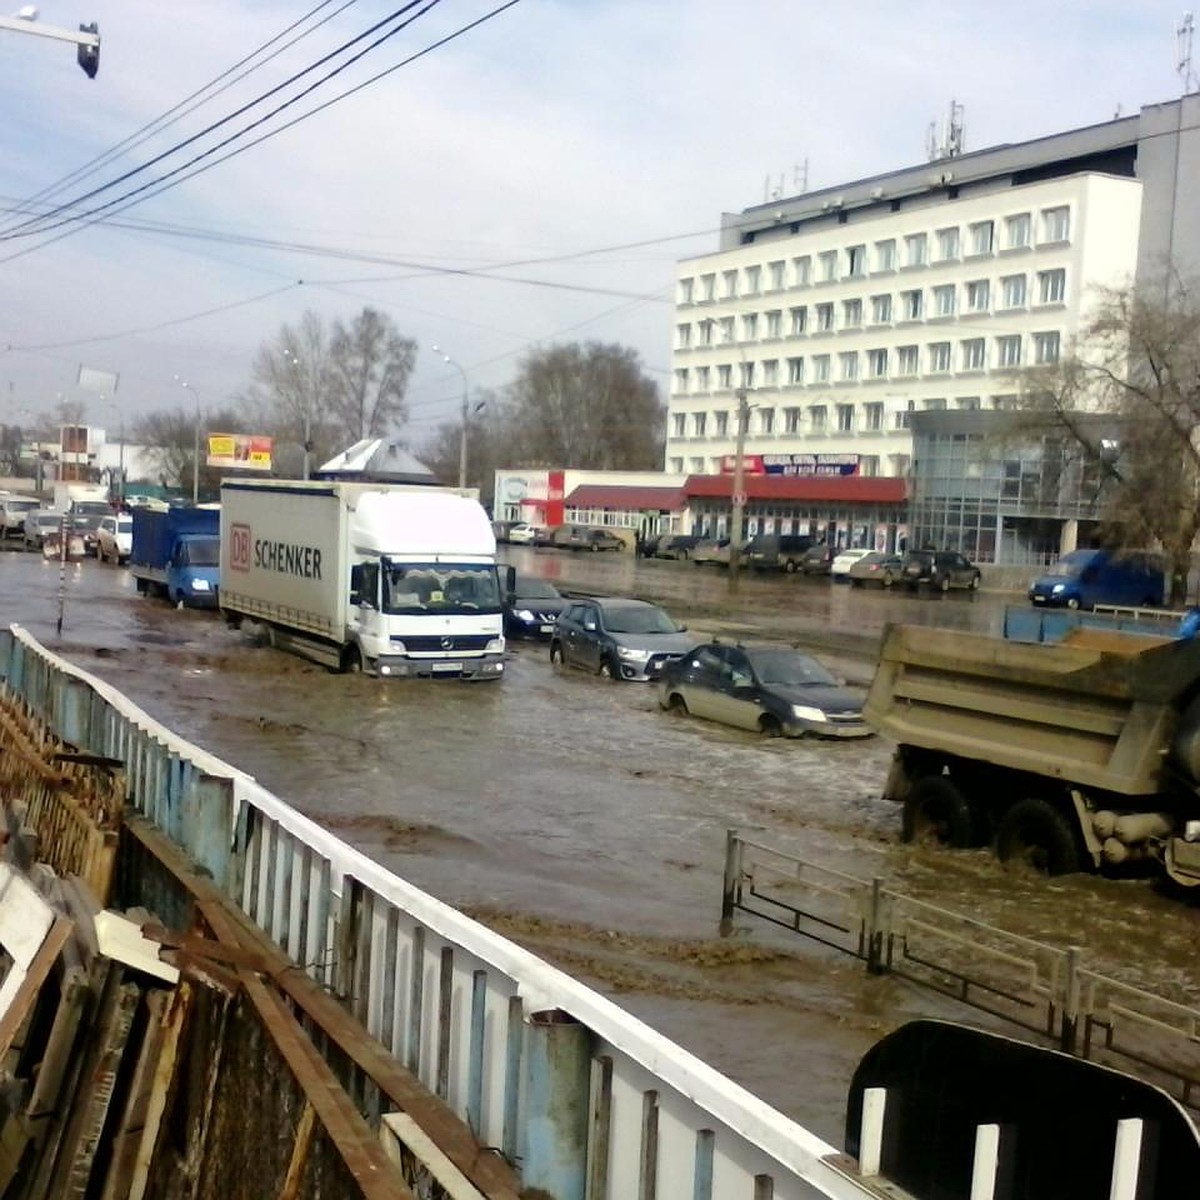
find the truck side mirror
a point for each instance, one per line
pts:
(508, 579)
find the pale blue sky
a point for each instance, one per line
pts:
(558, 128)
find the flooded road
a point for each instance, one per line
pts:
(574, 816)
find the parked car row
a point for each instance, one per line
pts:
(563, 537)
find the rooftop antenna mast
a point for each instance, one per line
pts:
(1183, 41)
(953, 139)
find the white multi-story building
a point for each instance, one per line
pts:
(849, 312)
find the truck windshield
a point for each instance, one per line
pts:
(440, 587)
(199, 552)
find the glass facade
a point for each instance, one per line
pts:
(1000, 492)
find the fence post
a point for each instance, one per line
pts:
(876, 922)
(1069, 1033)
(732, 883)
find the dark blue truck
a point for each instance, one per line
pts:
(176, 554)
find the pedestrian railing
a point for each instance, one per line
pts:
(1043, 989)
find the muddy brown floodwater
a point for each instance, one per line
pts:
(575, 817)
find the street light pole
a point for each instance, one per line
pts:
(306, 399)
(739, 491)
(462, 437)
(195, 443)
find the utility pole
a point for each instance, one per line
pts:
(739, 490)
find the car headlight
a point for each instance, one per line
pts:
(201, 585)
(523, 614)
(635, 655)
(1059, 587)
(806, 712)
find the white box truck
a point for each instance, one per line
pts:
(397, 580)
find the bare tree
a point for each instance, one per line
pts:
(369, 368)
(1138, 359)
(588, 406)
(170, 437)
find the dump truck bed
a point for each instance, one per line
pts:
(1096, 710)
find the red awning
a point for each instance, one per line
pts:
(832, 489)
(604, 495)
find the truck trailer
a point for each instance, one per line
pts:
(1067, 755)
(175, 554)
(395, 580)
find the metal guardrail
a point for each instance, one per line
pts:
(1045, 990)
(589, 1102)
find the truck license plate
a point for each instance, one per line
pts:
(448, 667)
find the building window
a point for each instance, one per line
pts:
(747, 374)
(750, 327)
(856, 260)
(729, 284)
(885, 255)
(910, 305)
(697, 466)
(1004, 403)
(753, 280)
(795, 370)
(974, 354)
(775, 324)
(845, 418)
(916, 250)
(868, 465)
(824, 317)
(908, 360)
(799, 320)
(939, 356)
(851, 314)
(967, 403)
(724, 377)
(821, 368)
(873, 417)
(1008, 350)
(679, 424)
(706, 332)
(900, 463)
(775, 273)
(685, 291)
(1052, 286)
(766, 420)
(699, 424)
(1012, 289)
(722, 422)
(681, 381)
(727, 329)
(943, 300)
(684, 336)
(802, 271)
(1018, 231)
(791, 420)
(881, 309)
(1045, 348)
(827, 266)
(877, 363)
(981, 237)
(676, 466)
(979, 294)
(703, 379)
(771, 372)
(818, 418)
(848, 365)
(936, 404)
(708, 287)
(947, 243)
(1056, 224)
(904, 416)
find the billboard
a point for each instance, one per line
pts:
(244, 451)
(792, 464)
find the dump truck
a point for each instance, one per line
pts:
(1081, 753)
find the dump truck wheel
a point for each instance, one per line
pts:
(1034, 833)
(935, 811)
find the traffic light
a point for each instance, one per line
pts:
(89, 56)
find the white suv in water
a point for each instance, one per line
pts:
(14, 509)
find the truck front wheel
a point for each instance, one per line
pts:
(352, 663)
(936, 811)
(1035, 833)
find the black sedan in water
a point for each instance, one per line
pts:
(531, 608)
(772, 689)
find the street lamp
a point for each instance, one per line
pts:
(183, 383)
(738, 513)
(462, 437)
(306, 400)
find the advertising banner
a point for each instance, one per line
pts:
(793, 464)
(248, 452)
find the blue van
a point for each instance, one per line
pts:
(1085, 578)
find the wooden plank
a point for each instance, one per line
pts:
(301, 1148)
(13, 1016)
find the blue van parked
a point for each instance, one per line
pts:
(1085, 578)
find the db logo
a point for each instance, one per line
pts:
(239, 547)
